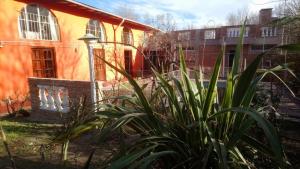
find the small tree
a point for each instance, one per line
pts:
(127, 12)
(238, 17)
(288, 13)
(161, 42)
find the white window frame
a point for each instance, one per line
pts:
(268, 31)
(44, 27)
(127, 37)
(96, 29)
(145, 38)
(210, 34)
(235, 32)
(184, 36)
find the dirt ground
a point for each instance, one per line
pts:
(31, 145)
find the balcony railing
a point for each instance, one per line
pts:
(53, 98)
(56, 95)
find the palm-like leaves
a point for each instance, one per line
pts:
(193, 130)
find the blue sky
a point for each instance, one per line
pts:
(198, 12)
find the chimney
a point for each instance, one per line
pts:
(265, 16)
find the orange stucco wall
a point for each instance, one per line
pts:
(71, 54)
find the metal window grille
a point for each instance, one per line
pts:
(127, 37)
(95, 28)
(38, 26)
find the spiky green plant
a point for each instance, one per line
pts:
(78, 122)
(194, 130)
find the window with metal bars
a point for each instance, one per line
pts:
(38, 23)
(96, 28)
(127, 37)
(43, 62)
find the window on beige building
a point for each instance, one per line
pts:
(127, 36)
(96, 28)
(37, 23)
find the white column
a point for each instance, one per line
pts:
(65, 100)
(90, 40)
(57, 99)
(92, 73)
(43, 98)
(51, 105)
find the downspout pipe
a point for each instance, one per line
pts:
(115, 44)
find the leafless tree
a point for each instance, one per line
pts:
(161, 41)
(127, 12)
(239, 16)
(288, 8)
(189, 26)
(148, 19)
(165, 22)
(288, 13)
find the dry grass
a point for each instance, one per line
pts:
(25, 139)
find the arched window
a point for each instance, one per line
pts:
(145, 38)
(96, 28)
(127, 37)
(36, 22)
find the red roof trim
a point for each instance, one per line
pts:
(110, 15)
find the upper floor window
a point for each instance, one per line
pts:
(145, 38)
(96, 28)
(268, 31)
(184, 36)
(235, 32)
(127, 37)
(210, 34)
(38, 23)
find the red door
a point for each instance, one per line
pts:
(128, 61)
(99, 65)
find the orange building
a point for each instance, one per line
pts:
(39, 38)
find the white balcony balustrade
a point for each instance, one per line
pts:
(53, 98)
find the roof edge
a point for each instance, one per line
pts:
(113, 15)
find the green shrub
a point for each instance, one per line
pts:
(183, 125)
